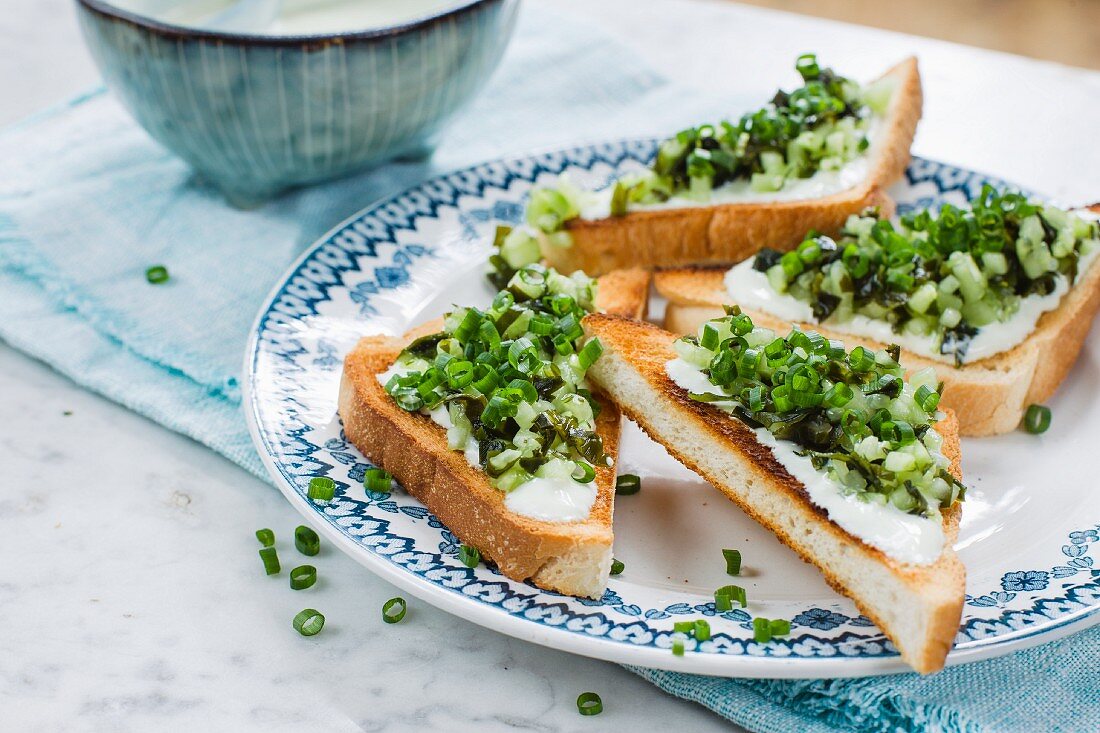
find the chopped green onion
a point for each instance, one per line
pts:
(394, 610)
(683, 627)
(309, 622)
(627, 484)
(307, 541)
(271, 560)
(378, 481)
(616, 566)
(587, 473)
(1037, 419)
(590, 352)
(726, 595)
(678, 647)
(469, 556)
(321, 488)
(303, 577)
(779, 627)
(266, 537)
(157, 274)
(589, 703)
(733, 561)
(702, 630)
(761, 630)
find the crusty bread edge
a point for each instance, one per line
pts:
(572, 558)
(731, 232)
(934, 592)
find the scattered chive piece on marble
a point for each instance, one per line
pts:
(157, 274)
(309, 622)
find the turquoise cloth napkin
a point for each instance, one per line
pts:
(88, 201)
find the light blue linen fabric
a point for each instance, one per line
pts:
(88, 201)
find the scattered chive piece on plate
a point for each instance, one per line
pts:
(266, 537)
(306, 540)
(1037, 419)
(394, 610)
(309, 622)
(271, 560)
(761, 630)
(156, 274)
(702, 630)
(779, 627)
(683, 627)
(303, 577)
(733, 561)
(726, 595)
(469, 556)
(589, 703)
(321, 488)
(628, 484)
(678, 647)
(378, 481)
(616, 566)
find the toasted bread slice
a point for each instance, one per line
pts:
(732, 232)
(569, 557)
(917, 606)
(989, 395)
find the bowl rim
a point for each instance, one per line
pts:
(112, 12)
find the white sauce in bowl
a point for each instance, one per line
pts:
(293, 17)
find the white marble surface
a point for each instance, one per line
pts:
(130, 587)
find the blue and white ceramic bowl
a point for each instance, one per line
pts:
(258, 114)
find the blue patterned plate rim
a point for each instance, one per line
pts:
(374, 529)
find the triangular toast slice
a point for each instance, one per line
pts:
(568, 557)
(990, 395)
(917, 606)
(733, 231)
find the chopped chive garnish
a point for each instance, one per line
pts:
(378, 481)
(589, 703)
(726, 595)
(1037, 419)
(616, 566)
(469, 556)
(271, 560)
(684, 627)
(303, 577)
(779, 627)
(266, 537)
(157, 274)
(308, 622)
(702, 630)
(307, 541)
(321, 488)
(761, 630)
(678, 647)
(627, 484)
(733, 561)
(394, 610)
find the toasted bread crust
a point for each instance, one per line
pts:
(990, 395)
(732, 232)
(569, 557)
(933, 592)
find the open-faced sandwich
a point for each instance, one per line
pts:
(718, 193)
(998, 297)
(486, 418)
(847, 462)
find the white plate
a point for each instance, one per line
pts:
(1030, 526)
